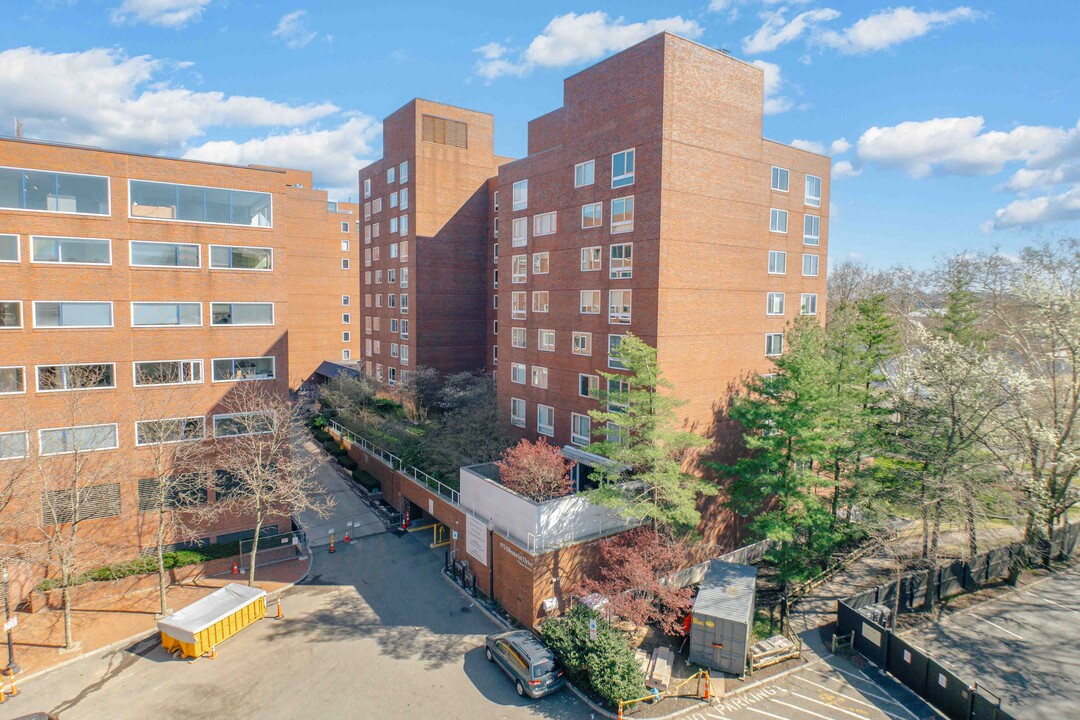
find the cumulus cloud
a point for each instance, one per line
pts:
(891, 27)
(571, 39)
(334, 155)
(166, 13)
(839, 146)
(292, 30)
(777, 30)
(844, 169)
(775, 101)
(809, 146)
(1036, 211)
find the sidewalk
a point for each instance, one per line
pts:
(39, 636)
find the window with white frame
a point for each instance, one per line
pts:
(619, 306)
(518, 337)
(519, 269)
(12, 380)
(162, 254)
(590, 302)
(540, 301)
(585, 173)
(403, 306)
(495, 278)
(544, 224)
(494, 302)
(163, 314)
(495, 201)
(541, 263)
(582, 343)
(810, 265)
(11, 314)
(403, 172)
(614, 433)
(518, 305)
(777, 262)
(169, 430)
(592, 215)
(774, 304)
(367, 211)
(375, 230)
(367, 187)
(13, 445)
(376, 205)
(344, 227)
(779, 179)
(405, 355)
(344, 263)
(367, 234)
(393, 228)
(622, 215)
(393, 349)
(391, 300)
(545, 340)
(345, 246)
(495, 252)
(591, 259)
(545, 420)
(808, 306)
(404, 250)
(777, 220)
(70, 250)
(517, 412)
(390, 172)
(168, 372)
(378, 300)
(346, 336)
(235, 424)
(404, 199)
(404, 277)
(580, 429)
(617, 395)
(346, 354)
(233, 369)
(622, 168)
(621, 264)
(393, 199)
(245, 313)
(71, 314)
(86, 376)
(404, 329)
(395, 325)
(811, 230)
(613, 342)
(517, 373)
(521, 195)
(85, 438)
(404, 225)
(9, 248)
(367, 257)
(539, 376)
(813, 191)
(774, 344)
(495, 232)
(519, 236)
(588, 385)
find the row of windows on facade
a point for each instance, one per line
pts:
(15, 444)
(396, 251)
(811, 188)
(778, 223)
(392, 301)
(99, 314)
(141, 253)
(592, 216)
(392, 275)
(145, 373)
(400, 173)
(80, 194)
(397, 327)
(397, 350)
(620, 304)
(397, 199)
(581, 344)
(622, 175)
(580, 425)
(620, 263)
(393, 375)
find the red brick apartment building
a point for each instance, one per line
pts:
(174, 280)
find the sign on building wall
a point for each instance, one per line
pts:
(476, 539)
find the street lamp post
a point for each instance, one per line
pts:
(12, 666)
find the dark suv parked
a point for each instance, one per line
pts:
(531, 666)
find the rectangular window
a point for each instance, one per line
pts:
(442, 131)
(227, 257)
(13, 445)
(495, 201)
(51, 378)
(235, 369)
(345, 300)
(10, 314)
(86, 438)
(367, 208)
(403, 253)
(367, 234)
(375, 230)
(545, 224)
(160, 254)
(590, 302)
(774, 344)
(541, 263)
(495, 278)
(774, 303)
(517, 373)
(367, 187)
(403, 172)
(495, 233)
(404, 355)
(540, 301)
(590, 259)
(539, 376)
(404, 275)
(404, 199)
(808, 306)
(811, 230)
(393, 227)
(403, 305)
(584, 173)
(613, 342)
(168, 372)
(393, 251)
(518, 305)
(404, 329)
(777, 220)
(588, 385)
(393, 199)
(344, 227)
(517, 412)
(376, 205)
(777, 262)
(171, 430)
(545, 420)
(519, 268)
(404, 225)
(245, 313)
(391, 174)
(12, 380)
(54, 192)
(621, 265)
(393, 349)
(153, 314)
(72, 314)
(779, 179)
(234, 424)
(344, 246)
(619, 306)
(622, 169)
(521, 195)
(813, 191)
(622, 215)
(545, 340)
(391, 375)
(9, 248)
(617, 395)
(592, 215)
(518, 337)
(580, 429)
(519, 232)
(810, 265)
(70, 250)
(192, 203)
(582, 343)
(344, 263)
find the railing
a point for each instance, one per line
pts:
(397, 464)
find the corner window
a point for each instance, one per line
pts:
(9, 248)
(53, 192)
(13, 445)
(11, 314)
(367, 188)
(622, 169)
(584, 173)
(779, 179)
(12, 380)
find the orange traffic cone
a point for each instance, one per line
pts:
(347, 538)
(213, 652)
(332, 548)
(235, 568)
(708, 687)
(280, 616)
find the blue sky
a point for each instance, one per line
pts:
(952, 126)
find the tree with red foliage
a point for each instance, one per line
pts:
(536, 470)
(632, 565)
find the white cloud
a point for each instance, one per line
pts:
(292, 30)
(334, 155)
(1024, 179)
(166, 13)
(844, 169)
(892, 27)
(572, 38)
(809, 146)
(777, 30)
(1035, 211)
(775, 102)
(839, 146)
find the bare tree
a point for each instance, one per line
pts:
(259, 473)
(419, 392)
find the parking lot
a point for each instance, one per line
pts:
(1024, 648)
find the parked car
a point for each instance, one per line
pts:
(531, 666)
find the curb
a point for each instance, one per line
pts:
(487, 613)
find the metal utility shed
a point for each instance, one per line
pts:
(723, 616)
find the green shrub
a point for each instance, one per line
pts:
(366, 479)
(348, 463)
(606, 666)
(321, 435)
(319, 422)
